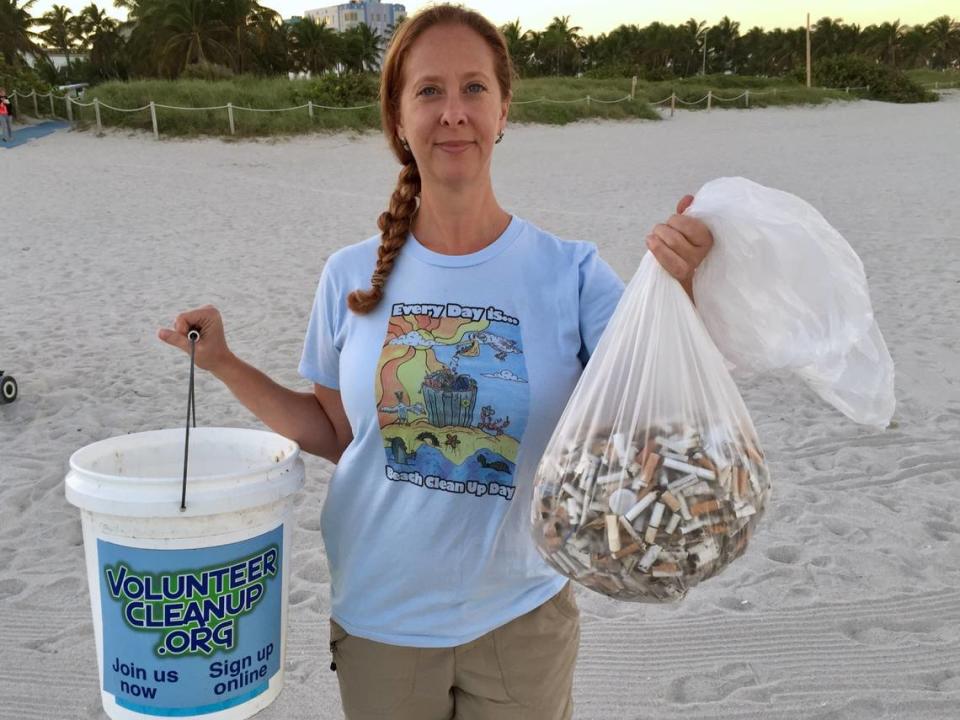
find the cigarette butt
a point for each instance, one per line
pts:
(651, 534)
(742, 481)
(670, 501)
(688, 468)
(691, 526)
(625, 524)
(704, 507)
(753, 453)
(641, 505)
(630, 549)
(705, 462)
(672, 524)
(717, 529)
(649, 467)
(665, 569)
(572, 492)
(684, 508)
(656, 515)
(649, 557)
(573, 509)
(745, 511)
(633, 469)
(613, 533)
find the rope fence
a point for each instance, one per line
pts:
(70, 102)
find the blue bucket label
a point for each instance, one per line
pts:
(190, 632)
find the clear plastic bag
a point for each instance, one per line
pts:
(653, 479)
(783, 290)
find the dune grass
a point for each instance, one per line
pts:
(252, 96)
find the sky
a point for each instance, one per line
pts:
(598, 16)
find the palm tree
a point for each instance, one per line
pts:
(561, 42)
(314, 46)
(726, 33)
(16, 36)
(62, 29)
(518, 45)
(99, 34)
(239, 16)
(362, 46)
(185, 32)
(945, 41)
(826, 37)
(690, 39)
(882, 41)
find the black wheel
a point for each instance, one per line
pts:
(8, 389)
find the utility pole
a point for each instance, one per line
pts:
(706, 33)
(809, 84)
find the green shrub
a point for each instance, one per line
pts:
(885, 82)
(206, 71)
(350, 89)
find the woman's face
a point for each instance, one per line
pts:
(450, 108)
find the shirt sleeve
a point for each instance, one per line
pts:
(600, 291)
(320, 361)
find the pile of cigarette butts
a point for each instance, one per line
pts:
(646, 518)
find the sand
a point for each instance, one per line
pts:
(847, 604)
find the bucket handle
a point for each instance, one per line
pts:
(192, 336)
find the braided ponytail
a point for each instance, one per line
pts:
(394, 225)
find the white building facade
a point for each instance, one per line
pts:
(381, 17)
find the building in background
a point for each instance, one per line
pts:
(381, 17)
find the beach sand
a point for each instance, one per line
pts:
(847, 603)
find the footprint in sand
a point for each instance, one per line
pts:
(787, 554)
(892, 632)
(942, 531)
(712, 686)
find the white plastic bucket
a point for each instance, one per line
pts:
(189, 608)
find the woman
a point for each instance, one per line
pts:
(435, 392)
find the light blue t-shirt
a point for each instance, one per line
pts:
(453, 386)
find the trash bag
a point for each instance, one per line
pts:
(654, 478)
(783, 290)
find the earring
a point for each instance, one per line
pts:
(499, 138)
(404, 145)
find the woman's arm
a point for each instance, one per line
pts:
(315, 421)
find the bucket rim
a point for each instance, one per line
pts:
(76, 467)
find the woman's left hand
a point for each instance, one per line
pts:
(681, 244)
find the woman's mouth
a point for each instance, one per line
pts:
(454, 147)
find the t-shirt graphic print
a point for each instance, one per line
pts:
(452, 398)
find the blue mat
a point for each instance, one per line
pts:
(24, 135)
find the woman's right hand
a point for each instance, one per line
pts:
(211, 349)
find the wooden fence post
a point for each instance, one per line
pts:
(36, 110)
(69, 107)
(673, 103)
(96, 111)
(52, 111)
(709, 99)
(153, 118)
(747, 96)
(233, 129)
(310, 108)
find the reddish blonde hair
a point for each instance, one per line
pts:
(395, 222)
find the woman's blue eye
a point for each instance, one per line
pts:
(471, 86)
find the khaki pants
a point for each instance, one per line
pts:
(520, 671)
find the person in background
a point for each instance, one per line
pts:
(6, 116)
(437, 382)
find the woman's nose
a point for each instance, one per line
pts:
(454, 112)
